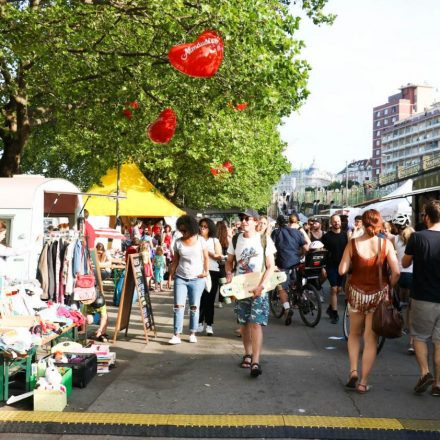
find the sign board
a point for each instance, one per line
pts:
(96, 270)
(135, 279)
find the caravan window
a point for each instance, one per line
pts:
(8, 222)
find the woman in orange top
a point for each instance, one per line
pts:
(367, 255)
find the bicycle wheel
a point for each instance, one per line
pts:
(346, 322)
(275, 304)
(346, 329)
(309, 305)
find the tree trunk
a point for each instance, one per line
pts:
(15, 133)
(10, 161)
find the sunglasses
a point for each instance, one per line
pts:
(203, 227)
(246, 218)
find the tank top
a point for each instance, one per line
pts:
(365, 272)
(190, 259)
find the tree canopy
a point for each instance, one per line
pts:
(67, 68)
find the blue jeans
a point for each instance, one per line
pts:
(192, 289)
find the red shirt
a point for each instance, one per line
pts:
(90, 234)
(156, 230)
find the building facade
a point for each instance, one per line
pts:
(298, 180)
(407, 141)
(411, 99)
(359, 171)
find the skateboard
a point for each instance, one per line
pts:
(241, 285)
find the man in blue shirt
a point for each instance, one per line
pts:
(289, 243)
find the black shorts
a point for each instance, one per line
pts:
(333, 277)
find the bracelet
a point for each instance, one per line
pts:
(228, 273)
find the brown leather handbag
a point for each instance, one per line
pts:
(387, 320)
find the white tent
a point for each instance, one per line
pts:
(25, 202)
(389, 208)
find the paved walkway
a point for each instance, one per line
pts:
(304, 371)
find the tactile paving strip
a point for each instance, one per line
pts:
(217, 426)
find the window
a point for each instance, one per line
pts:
(378, 124)
(385, 121)
(393, 109)
(376, 152)
(377, 172)
(377, 133)
(377, 114)
(377, 161)
(385, 112)
(394, 119)
(7, 240)
(377, 143)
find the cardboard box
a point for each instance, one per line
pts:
(66, 373)
(49, 400)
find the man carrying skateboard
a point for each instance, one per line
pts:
(251, 254)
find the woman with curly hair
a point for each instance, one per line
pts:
(190, 267)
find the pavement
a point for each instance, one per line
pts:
(304, 371)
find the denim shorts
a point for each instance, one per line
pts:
(333, 276)
(253, 310)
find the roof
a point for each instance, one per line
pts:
(20, 191)
(142, 198)
(358, 165)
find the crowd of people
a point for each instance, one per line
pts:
(367, 261)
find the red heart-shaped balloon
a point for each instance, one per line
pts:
(127, 113)
(162, 129)
(214, 171)
(228, 165)
(200, 59)
(133, 104)
(242, 106)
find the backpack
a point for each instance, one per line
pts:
(263, 238)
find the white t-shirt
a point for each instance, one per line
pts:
(190, 264)
(210, 244)
(249, 253)
(400, 251)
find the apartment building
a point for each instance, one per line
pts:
(407, 141)
(411, 99)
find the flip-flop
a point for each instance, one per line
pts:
(352, 381)
(362, 389)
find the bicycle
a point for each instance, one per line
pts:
(346, 329)
(303, 295)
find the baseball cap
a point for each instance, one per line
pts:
(250, 213)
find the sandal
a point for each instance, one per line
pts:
(362, 389)
(246, 361)
(256, 370)
(351, 384)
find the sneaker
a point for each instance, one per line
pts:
(435, 391)
(335, 317)
(200, 328)
(423, 383)
(289, 314)
(192, 339)
(174, 340)
(209, 330)
(411, 350)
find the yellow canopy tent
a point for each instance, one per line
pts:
(143, 199)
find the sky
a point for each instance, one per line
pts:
(373, 48)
